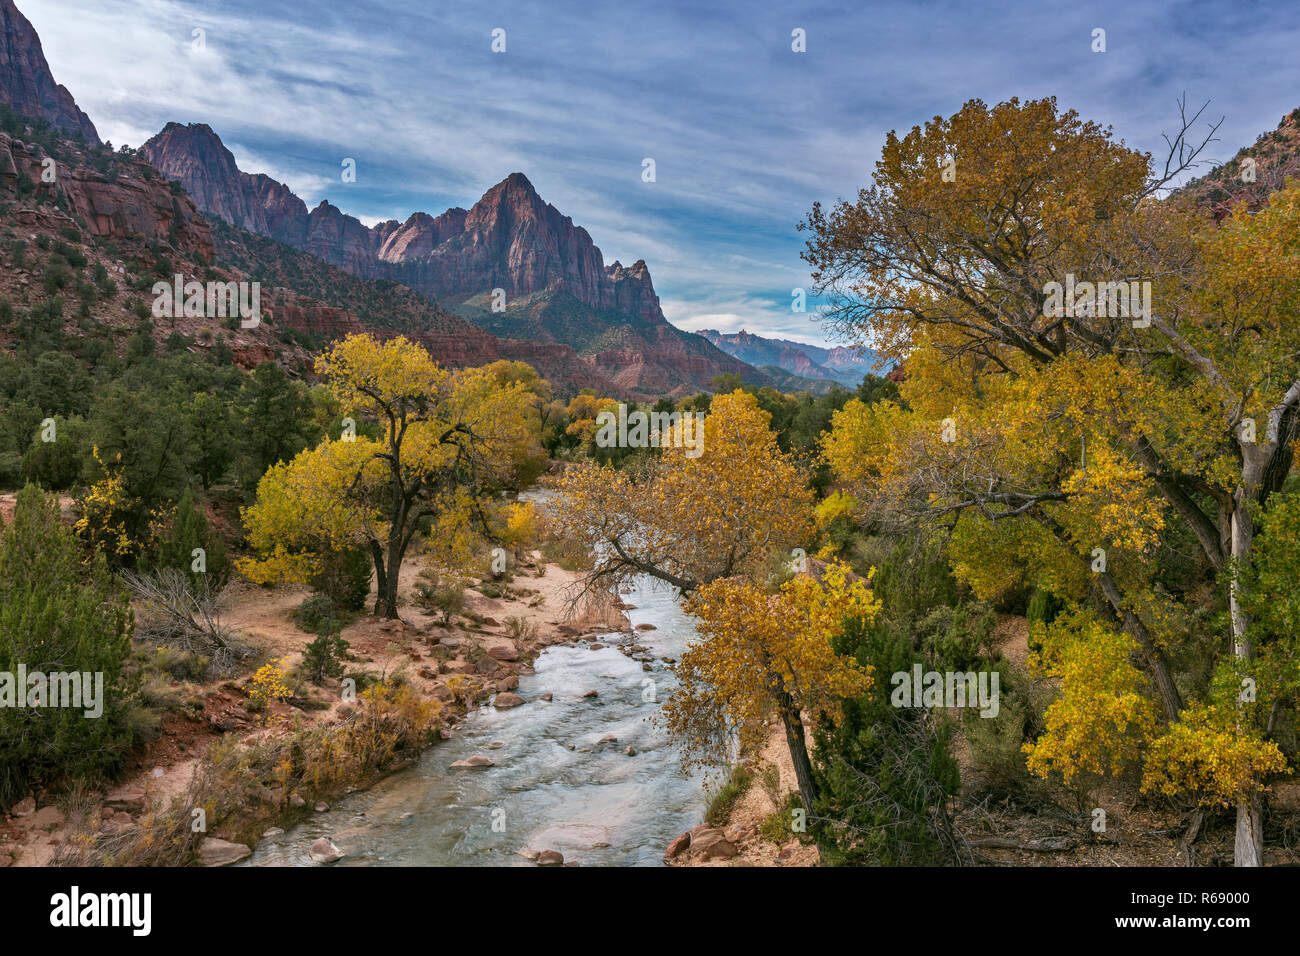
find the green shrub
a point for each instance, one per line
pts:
(345, 577)
(57, 465)
(315, 615)
(434, 594)
(323, 658)
(885, 774)
(521, 630)
(186, 532)
(957, 638)
(59, 614)
(775, 827)
(995, 744)
(1043, 606)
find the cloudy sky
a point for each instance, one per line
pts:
(744, 132)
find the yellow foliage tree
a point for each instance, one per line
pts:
(447, 438)
(1104, 719)
(1099, 423)
(759, 652)
(689, 520)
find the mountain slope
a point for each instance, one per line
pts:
(1273, 157)
(554, 285)
(26, 83)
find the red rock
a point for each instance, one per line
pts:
(26, 83)
(678, 846)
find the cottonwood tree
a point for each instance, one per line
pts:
(690, 520)
(447, 440)
(952, 278)
(758, 652)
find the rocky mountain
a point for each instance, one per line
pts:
(1253, 174)
(26, 83)
(115, 212)
(556, 287)
(846, 366)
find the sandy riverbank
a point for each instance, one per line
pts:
(480, 655)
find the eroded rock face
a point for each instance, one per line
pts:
(26, 83)
(195, 157)
(138, 203)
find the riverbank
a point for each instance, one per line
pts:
(478, 657)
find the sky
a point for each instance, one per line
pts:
(745, 132)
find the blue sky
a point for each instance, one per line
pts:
(744, 132)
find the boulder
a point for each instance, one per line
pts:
(323, 851)
(471, 763)
(550, 858)
(507, 700)
(711, 844)
(678, 846)
(216, 852)
(547, 696)
(504, 652)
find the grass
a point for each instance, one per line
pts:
(724, 801)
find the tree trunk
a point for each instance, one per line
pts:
(381, 576)
(794, 738)
(1155, 659)
(1248, 849)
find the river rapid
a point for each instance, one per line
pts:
(554, 786)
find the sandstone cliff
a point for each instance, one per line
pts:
(26, 83)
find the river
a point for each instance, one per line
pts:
(553, 786)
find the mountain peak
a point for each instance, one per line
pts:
(26, 83)
(518, 181)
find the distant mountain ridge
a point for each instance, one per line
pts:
(557, 288)
(840, 364)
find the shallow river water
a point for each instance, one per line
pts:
(553, 786)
